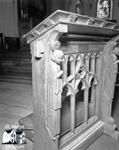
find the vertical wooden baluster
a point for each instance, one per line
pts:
(93, 91)
(98, 87)
(92, 68)
(86, 91)
(64, 78)
(77, 69)
(72, 98)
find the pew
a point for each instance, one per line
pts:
(74, 69)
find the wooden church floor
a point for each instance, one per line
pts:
(104, 142)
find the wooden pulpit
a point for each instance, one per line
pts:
(74, 67)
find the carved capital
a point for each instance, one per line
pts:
(39, 49)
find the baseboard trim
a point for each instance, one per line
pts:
(86, 138)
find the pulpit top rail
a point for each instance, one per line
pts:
(77, 24)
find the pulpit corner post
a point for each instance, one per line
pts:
(46, 74)
(109, 76)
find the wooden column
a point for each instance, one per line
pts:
(86, 91)
(109, 78)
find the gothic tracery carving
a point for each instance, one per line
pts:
(80, 76)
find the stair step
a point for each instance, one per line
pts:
(15, 59)
(16, 77)
(20, 69)
(8, 66)
(16, 74)
(16, 67)
(14, 80)
(16, 55)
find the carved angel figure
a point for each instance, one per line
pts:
(57, 58)
(116, 47)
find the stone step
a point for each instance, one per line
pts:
(15, 67)
(19, 81)
(19, 57)
(16, 77)
(21, 69)
(16, 64)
